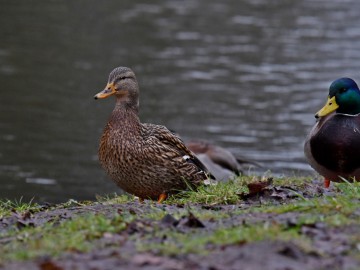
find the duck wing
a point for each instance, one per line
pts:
(171, 146)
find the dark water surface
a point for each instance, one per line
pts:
(247, 75)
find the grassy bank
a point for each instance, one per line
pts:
(239, 213)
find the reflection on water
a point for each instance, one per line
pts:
(247, 75)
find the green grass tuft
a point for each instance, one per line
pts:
(7, 207)
(222, 193)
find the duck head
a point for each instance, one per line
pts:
(344, 97)
(123, 85)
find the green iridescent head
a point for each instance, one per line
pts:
(344, 97)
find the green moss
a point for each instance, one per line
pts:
(155, 214)
(71, 235)
(115, 199)
(201, 242)
(204, 214)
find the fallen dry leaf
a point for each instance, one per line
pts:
(256, 188)
(49, 265)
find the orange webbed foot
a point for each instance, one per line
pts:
(326, 183)
(162, 197)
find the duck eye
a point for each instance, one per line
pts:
(125, 77)
(342, 90)
(119, 79)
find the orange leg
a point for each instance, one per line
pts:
(326, 183)
(162, 197)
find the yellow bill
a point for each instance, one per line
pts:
(329, 107)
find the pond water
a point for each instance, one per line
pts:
(247, 75)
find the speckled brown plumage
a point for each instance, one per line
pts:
(143, 159)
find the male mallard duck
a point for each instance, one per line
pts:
(220, 161)
(146, 160)
(333, 145)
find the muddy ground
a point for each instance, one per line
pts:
(332, 247)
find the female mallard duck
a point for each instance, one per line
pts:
(146, 160)
(333, 145)
(220, 161)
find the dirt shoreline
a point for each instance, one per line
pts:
(138, 246)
